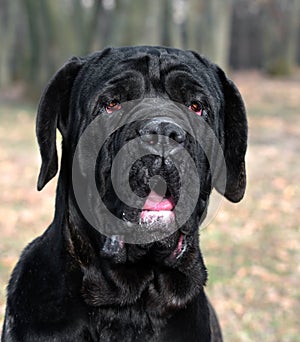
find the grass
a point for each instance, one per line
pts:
(252, 249)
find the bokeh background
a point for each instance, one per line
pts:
(252, 249)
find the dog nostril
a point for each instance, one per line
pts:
(177, 136)
(150, 139)
(158, 131)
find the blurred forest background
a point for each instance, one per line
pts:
(252, 249)
(38, 36)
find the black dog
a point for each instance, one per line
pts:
(86, 278)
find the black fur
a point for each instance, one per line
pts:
(66, 286)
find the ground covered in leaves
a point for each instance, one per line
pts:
(252, 249)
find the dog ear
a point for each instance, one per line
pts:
(53, 113)
(235, 140)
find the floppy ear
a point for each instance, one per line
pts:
(52, 113)
(235, 139)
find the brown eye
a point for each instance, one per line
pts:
(113, 106)
(196, 107)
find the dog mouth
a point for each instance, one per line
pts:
(157, 215)
(158, 182)
(157, 210)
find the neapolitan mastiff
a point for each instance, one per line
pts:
(143, 124)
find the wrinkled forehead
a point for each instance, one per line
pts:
(154, 62)
(152, 59)
(148, 65)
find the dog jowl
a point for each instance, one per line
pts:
(147, 133)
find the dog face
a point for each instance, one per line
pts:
(176, 106)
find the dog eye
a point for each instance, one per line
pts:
(113, 106)
(196, 107)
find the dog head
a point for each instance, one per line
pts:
(173, 117)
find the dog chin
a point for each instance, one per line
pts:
(157, 221)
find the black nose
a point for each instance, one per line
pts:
(155, 132)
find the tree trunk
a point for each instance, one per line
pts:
(117, 21)
(216, 30)
(152, 23)
(281, 36)
(167, 18)
(7, 25)
(194, 25)
(31, 9)
(293, 28)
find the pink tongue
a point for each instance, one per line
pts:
(155, 202)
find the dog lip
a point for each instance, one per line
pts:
(180, 248)
(151, 216)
